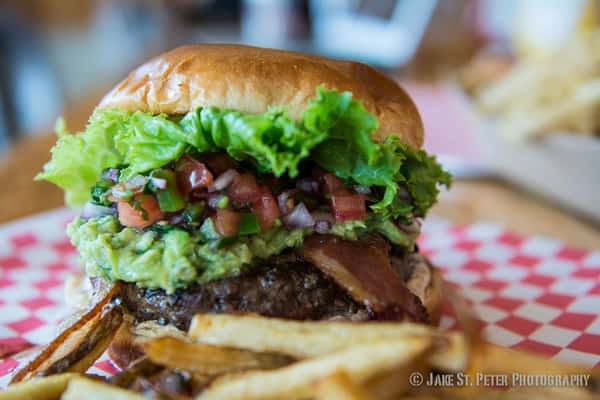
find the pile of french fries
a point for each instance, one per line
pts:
(560, 94)
(253, 357)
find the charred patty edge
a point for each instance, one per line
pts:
(283, 286)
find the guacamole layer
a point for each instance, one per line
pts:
(178, 258)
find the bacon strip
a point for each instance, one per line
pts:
(363, 268)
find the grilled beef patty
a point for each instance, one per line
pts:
(284, 286)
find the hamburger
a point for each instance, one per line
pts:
(229, 179)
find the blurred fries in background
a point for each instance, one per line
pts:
(560, 93)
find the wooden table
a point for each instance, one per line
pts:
(467, 202)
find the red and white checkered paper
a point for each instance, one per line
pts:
(531, 293)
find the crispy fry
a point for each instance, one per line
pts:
(208, 359)
(565, 114)
(127, 345)
(149, 330)
(464, 349)
(361, 363)
(452, 355)
(47, 388)
(85, 389)
(294, 338)
(125, 348)
(559, 94)
(141, 368)
(339, 386)
(77, 347)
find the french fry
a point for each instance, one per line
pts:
(361, 363)
(208, 359)
(127, 345)
(339, 386)
(149, 330)
(294, 338)
(538, 97)
(463, 348)
(77, 347)
(85, 389)
(142, 367)
(46, 388)
(452, 356)
(554, 116)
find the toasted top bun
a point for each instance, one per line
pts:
(251, 79)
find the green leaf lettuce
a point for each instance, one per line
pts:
(334, 131)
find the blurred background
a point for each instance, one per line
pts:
(508, 89)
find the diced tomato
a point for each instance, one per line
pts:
(227, 222)
(192, 174)
(348, 207)
(219, 163)
(244, 189)
(131, 214)
(266, 209)
(334, 185)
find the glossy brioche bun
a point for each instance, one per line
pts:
(251, 79)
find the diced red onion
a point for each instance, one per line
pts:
(159, 183)
(91, 210)
(112, 174)
(282, 201)
(136, 184)
(223, 181)
(299, 218)
(308, 185)
(214, 199)
(361, 189)
(322, 226)
(323, 221)
(177, 218)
